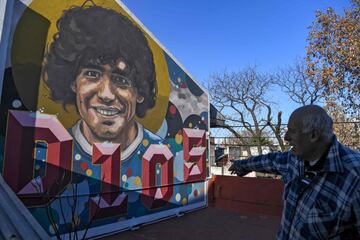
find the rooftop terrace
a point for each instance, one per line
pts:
(239, 208)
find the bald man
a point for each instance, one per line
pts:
(321, 176)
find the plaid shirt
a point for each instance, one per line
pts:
(320, 202)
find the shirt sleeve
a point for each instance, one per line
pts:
(269, 163)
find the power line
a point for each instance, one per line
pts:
(283, 124)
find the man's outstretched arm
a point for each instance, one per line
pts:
(269, 163)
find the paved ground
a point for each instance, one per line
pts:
(206, 224)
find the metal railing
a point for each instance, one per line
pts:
(348, 133)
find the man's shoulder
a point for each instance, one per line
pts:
(350, 159)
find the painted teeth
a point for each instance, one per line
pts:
(107, 112)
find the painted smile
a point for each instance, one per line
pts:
(108, 111)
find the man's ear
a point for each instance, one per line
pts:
(315, 135)
(140, 99)
(73, 86)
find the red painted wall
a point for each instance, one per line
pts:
(258, 196)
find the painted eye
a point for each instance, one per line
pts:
(94, 74)
(121, 81)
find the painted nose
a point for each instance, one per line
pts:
(105, 92)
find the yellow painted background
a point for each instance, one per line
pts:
(52, 10)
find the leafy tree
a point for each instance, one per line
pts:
(346, 128)
(333, 55)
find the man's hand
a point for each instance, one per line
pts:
(239, 171)
(232, 168)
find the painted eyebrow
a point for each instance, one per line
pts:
(118, 71)
(93, 66)
(102, 69)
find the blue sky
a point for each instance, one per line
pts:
(206, 36)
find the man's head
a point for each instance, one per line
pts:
(309, 132)
(101, 62)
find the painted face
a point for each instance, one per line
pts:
(106, 100)
(298, 139)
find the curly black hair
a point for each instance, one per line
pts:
(96, 34)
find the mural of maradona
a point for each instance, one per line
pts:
(101, 62)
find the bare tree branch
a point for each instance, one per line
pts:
(297, 84)
(241, 98)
